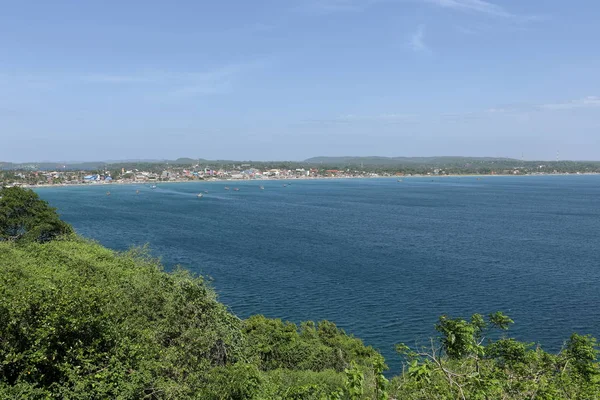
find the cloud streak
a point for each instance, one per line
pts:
(334, 6)
(384, 118)
(582, 103)
(478, 6)
(515, 110)
(219, 80)
(482, 7)
(107, 78)
(586, 102)
(388, 117)
(28, 81)
(417, 42)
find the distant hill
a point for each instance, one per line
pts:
(389, 161)
(186, 160)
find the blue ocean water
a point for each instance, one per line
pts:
(382, 259)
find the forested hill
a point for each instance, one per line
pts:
(79, 321)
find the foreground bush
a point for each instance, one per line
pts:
(80, 321)
(464, 364)
(24, 217)
(77, 318)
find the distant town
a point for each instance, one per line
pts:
(185, 170)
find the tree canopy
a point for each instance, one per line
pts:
(25, 217)
(80, 321)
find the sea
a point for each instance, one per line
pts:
(381, 258)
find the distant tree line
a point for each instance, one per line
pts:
(405, 165)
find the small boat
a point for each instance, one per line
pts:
(262, 187)
(153, 187)
(200, 195)
(206, 191)
(236, 189)
(285, 185)
(399, 180)
(108, 193)
(226, 187)
(137, 192)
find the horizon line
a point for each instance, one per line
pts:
(165, 160)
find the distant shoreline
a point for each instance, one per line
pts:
(224, 180)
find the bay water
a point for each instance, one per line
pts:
(382, 259)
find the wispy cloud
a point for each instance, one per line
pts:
(528, 110)
(479, 6)
(108, 78)
(496, 110)
(28, 81)
(219, 80)
(473, 6)
(384, 118)
(147, 83)
(582, 103)
(465, 30)
(334, 6)
(586, 102)
(483, 7)
(517, 110)
(417, 42)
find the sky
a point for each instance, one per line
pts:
(292, 79)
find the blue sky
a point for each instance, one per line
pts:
(291, 79)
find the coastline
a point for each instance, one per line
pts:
(224, 180)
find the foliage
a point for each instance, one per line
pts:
(284, 384)
(80, 321)
(466, 365)
(461, 338)
(354, 382)
(381, 382)
(25, 217)
(77, 318)
(275, 344)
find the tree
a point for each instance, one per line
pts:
(463, 364)
(24, 217)
(583, 353)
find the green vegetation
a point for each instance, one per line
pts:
(463, 364)
(77, 318)
(25, 217)
(79, 321)
(11, 172)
